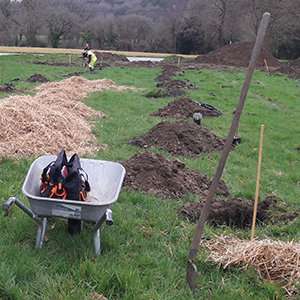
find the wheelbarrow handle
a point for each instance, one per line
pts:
(7, 205)
(42, 225)
(109, 217)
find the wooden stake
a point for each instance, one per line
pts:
(70, 62)
(266, 65)
(257, 181)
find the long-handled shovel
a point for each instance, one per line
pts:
(191, 271)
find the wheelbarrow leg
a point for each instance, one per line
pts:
(108, 217)
(42, 225)
(40, 237)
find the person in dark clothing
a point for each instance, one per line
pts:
(92, 58)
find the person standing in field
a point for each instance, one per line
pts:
(92, 58)
(84, 57)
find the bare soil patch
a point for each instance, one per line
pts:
(168, 71)
(37, 78)
(175, 87)
(111, 57)
(292, 72)
(184, 108)
(153, 173)
(239, 55)
(230, 212)
(179, 138)
(8, 89)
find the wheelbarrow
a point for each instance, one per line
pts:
(105, 178)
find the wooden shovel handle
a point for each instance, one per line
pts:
(256, 50)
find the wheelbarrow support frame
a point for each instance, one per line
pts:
(108, 217)
(42, 225)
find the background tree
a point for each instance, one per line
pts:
(172, 26)
(132, 32)
(220, 21)
(105, 32)
(29, 16)
(59, 24)
(190, 36)
(282, 38)
(6, 23)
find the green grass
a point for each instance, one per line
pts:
(145, 252)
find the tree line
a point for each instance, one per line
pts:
(168, 26)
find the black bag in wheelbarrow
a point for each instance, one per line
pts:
(64, 179)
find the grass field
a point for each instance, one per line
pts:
(145, 252)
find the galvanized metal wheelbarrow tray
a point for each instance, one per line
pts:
(105, 178)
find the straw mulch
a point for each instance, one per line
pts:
(275, 261)
(51, 120)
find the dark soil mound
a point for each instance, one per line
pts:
(167, 73)
(107, 59)
(72, 74)
(8, 89)
(172, 87)
(290, 71)
(169, 92)
(37, 78)
(111, 57)
(234, 211)
(176, 84)
(179, 138)
(238, 55)
(294, 64)
(163, 77)
(170, 70)
(153, 173)
(184, 108)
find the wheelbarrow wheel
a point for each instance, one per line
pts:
(74, 226)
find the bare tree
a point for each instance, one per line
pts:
(5, 22)
(190, 37)
(220, 20)
(284, 24)
(223, 12)
(29, 16)
(59, 24)
(132, 31)
(105, 32)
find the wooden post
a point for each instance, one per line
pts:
(257, 181)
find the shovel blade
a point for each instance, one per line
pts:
(191, 275)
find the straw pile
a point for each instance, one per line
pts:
(275, 261)
(51, 120)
